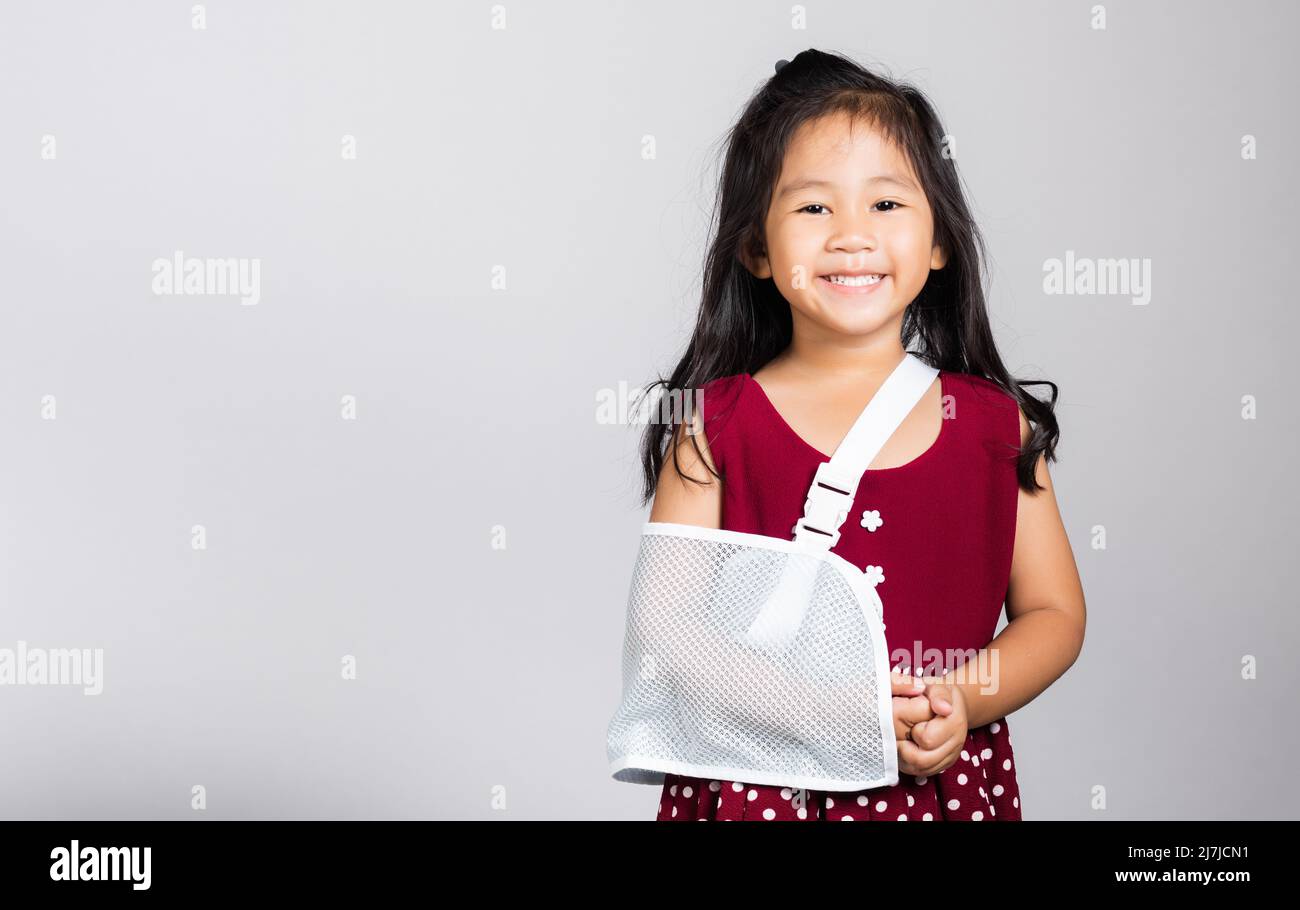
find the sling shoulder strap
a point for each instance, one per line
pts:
(835, 485)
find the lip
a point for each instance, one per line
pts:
(855, 272)
(845, 290)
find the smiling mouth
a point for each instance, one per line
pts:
(852, 285)
(854, 281)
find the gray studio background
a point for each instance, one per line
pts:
(486, 676)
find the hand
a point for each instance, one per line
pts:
(934, 744)
(910, 705)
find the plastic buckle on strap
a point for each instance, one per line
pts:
(826, 507)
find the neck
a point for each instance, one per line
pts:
(819, 353)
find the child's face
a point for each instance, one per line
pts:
(857, 220)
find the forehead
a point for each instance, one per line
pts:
(838, 144)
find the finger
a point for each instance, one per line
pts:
(908, 753)
(926, 761)
(909, 711)
(902, 726)
(904, 684)
(904, 766)
(943, 765)
(914, 709)
(933, 733)
(940, 696)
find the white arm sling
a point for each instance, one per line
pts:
(759, 659)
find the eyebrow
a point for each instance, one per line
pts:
(811, 182)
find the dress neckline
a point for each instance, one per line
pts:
(790, 431)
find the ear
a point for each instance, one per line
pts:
(752, 256)
(938, 257)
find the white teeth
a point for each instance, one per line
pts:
(855, 281)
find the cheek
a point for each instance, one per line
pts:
(908, 239)
(795, 250)
(909, 248)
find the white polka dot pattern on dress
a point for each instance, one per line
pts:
(982, 790)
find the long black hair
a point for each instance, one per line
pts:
(744, 322)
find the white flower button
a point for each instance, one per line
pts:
(875, 575)
(871, 519)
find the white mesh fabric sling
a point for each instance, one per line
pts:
(760, 659)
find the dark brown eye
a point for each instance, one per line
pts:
(815, 205)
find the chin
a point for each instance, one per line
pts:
(847, 319)
(860, 325)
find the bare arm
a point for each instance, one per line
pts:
(1045, 607)
(680, 500)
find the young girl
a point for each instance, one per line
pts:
(844, 241)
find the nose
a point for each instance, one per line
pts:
(852, 233)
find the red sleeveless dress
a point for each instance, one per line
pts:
(942, 529)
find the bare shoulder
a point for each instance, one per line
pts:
(691, 445)
(1041, 474)
(1025, 429)
(687, 491)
